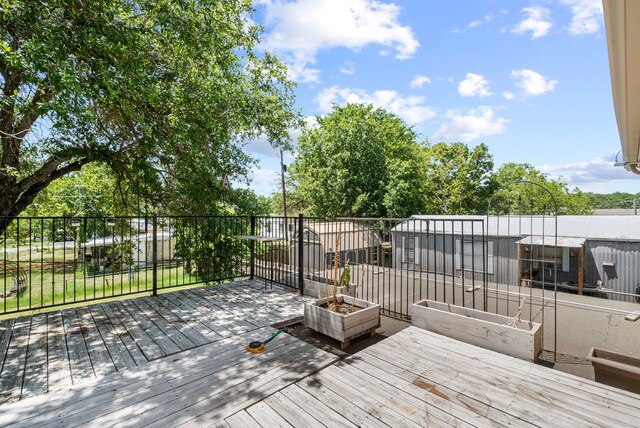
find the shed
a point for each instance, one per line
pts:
(104, 250)
(359, 243)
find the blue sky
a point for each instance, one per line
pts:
(528, 78)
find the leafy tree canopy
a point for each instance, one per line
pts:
(613, 200)
(159, 91)
(529, 196)
(359, 161)
(458, 178)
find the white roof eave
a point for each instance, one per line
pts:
(622, 18)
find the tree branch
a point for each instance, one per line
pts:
(30, 193)
(47, 168)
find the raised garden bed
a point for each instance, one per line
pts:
(489, 331)
(617, 370)
(365, 318)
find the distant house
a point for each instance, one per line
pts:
(510, 249)
(359, 244)
(102, 252)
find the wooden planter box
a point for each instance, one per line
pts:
(489, 331)
(342, 327)
(617, 370)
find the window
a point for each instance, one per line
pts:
(551, 257)
(470, 255)
(411, 249)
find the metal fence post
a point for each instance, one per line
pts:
(301, 253)
(154, 252)
(252, 246)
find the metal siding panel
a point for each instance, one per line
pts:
(626, 274)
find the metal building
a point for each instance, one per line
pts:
(601, 253)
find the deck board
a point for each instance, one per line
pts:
(53, 351)
(206, 383)
(35, 370)
(13, 369)
(419, 377)
(546, 387)
(58, 368)
(413, 378)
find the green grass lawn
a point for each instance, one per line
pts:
(46, 289)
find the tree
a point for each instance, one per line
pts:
(458, 178)
(525, 197)
(359, 161)
(160, 91)
(613, 200)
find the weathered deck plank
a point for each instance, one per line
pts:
(292, 413)
(79, 361)
(119, 353)
(190, 321)
(53, 351)
(98, 350)
(266, 416)
(122, 333)
(13, 370)
(6, 330)
(58, 368)
(524, 382)
(161, 323)
(418, 377)
(35, 370)
(149, 348)
(162, 391)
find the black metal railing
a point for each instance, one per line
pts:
(52, 261)
(393, 262)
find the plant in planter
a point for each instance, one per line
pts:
(342, 317)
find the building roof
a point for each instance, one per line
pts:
(612, 227)
(623, 42)
(353, 235)
(614, 211)
(550, 241)
(108, 241)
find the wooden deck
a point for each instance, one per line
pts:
(199, 387)
(418, 378)
(179, 359)
(53, 351)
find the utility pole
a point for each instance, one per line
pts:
(283, 169)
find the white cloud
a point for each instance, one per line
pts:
(508, 95)
(474, 85)
(419, 81)
(595, 171)
(532, 83)
(411, 108)
(587, 16)
(263, 177)
(347, 68)
(298, 30)
(488, 17)
(476, 123)
(538, 22)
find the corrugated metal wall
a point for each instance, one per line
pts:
(624, 277)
